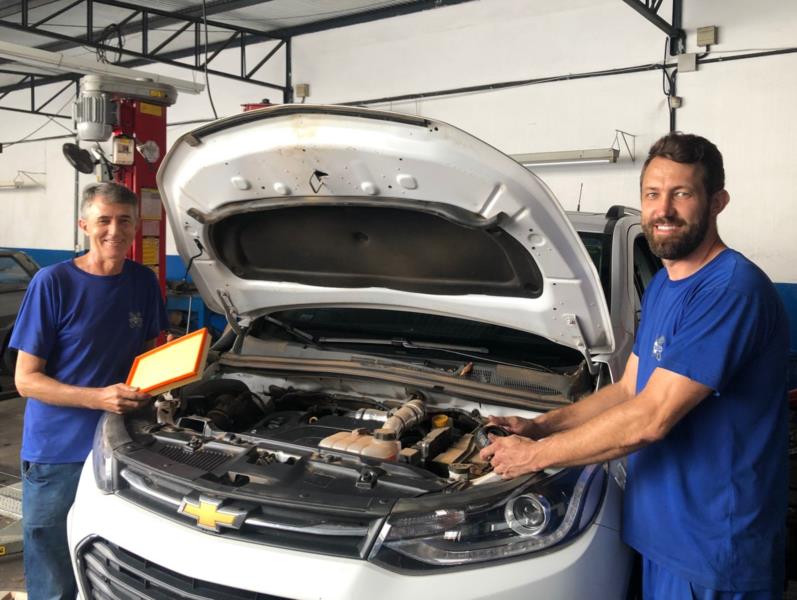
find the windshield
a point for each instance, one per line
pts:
(489, 342)
(12, 275)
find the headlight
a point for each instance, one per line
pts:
(533, 517)
(528, 514)
(109, 435)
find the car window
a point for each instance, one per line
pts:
(11, 272)
(645, 264)
(599, 247)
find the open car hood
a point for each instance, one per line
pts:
(302, 205)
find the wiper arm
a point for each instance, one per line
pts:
(403, 343)
(475, 352)
(297, 333)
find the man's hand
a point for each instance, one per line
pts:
(510, 456)
(518, 426)
(120, 398)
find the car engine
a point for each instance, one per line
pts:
(412, 431)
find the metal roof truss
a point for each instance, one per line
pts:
(650, 10)
(146, 26)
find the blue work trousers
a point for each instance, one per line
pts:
(659, 583)
(48, 491)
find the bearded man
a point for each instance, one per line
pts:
(701, 407)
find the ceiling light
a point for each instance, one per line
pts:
(568, 157)
(57, 62)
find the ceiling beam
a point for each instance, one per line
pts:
(41, 80)
(650, 10)
(64, 42)
(365, 17)
(161, 19)
(12, 7)
(148, 20)
(288, 32)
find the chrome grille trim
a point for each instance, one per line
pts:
(139, 483)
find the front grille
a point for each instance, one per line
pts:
(108, 572)
(325, 532)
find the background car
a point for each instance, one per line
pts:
(16, 271)
(389, 282)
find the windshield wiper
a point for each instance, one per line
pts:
(403, 343)
(474, 352)
(297, 333)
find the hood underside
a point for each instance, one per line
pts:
(333, 206)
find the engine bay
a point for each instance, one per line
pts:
(245, 426)
(411, 431)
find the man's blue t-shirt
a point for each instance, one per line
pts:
(709, 501)
(88, 328)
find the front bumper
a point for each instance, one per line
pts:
(124, 537)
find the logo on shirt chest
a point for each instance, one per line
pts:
(658, 347)
(136, 320)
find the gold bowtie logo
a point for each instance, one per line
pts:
(209, 515)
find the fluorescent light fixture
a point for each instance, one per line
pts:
(568, 157)
(57, 62)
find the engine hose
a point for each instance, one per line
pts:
(410, 414)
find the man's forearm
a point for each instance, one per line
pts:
(45, 388)
(582, 411)
(614, 432)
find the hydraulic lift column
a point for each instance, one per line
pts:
(134, 112)
(141, 136)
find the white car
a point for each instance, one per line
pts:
(389, 282)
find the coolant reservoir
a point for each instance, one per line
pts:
(348, 441)
(384, 445)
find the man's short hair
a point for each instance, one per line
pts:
(109, 191)
(691, 149)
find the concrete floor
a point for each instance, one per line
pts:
(11, 412)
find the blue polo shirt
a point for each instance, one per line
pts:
(88, 328)
(708, 501)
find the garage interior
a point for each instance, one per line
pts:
(578, 89)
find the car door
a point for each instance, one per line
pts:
(643, 266)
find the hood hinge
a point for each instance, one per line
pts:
(239, 325)
(575, 333)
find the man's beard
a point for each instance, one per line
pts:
(682, 244)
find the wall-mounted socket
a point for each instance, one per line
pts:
(301, 90)
(707, 36)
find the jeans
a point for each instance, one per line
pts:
(48, 491)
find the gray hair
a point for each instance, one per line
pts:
(109, 191)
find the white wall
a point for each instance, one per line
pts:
(745, 106)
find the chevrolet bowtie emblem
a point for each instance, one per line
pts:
(209, 515)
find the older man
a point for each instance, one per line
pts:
(80, 326)
(701, 406)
